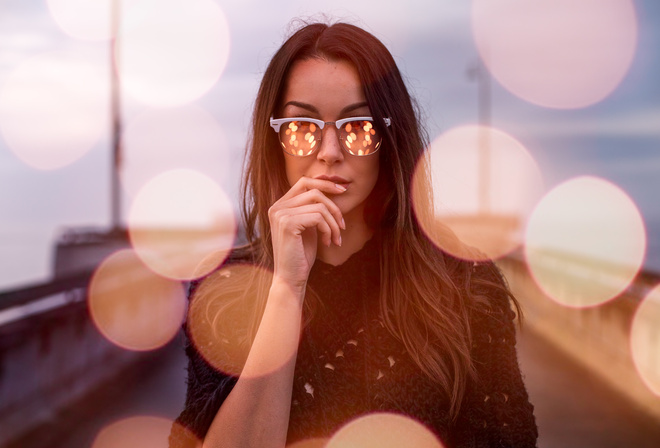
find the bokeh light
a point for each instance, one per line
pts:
(219, 318)
(485, 184)
(182, 224)
(54, 108)
(556, 53)
(585, 242)
(133, 307)
(86, 19)
(164, 139)
(645, 340)
(176, 52)
(384, 430)
(138, 432)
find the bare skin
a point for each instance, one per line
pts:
(320, 217)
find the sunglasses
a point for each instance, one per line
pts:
(302, 136)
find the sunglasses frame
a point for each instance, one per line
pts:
(276, 123)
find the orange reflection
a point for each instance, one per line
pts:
(585, 242)
(384, 430)
(138, 432)
(131, 306)
(165, 139)
(53, 109)
(219, 318)
(556, 53)
(182, 224)
(645, 340)
(175, 52)
(485, 184)
(85, 19)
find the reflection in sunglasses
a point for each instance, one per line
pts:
(300, 137)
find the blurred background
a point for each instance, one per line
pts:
(122, 132)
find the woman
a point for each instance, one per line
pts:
(351, 310)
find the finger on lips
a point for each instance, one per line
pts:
(309, 183)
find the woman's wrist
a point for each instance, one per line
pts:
(286, 291)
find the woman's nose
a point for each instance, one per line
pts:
(330, 150)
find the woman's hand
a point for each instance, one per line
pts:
(297, 220)
(256, 411)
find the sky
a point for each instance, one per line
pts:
(616, 138)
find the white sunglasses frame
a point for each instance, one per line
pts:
(276, 123)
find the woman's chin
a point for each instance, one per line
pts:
(349, 209)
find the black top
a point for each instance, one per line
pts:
(349, 365)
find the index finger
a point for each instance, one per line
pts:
(308, 183)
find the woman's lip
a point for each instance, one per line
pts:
(335, 179)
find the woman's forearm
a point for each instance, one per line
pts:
(256, 412)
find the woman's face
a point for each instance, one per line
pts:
(330, 91)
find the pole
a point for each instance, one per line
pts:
(115, 105)
(484, 107)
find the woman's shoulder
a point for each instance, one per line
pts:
(489, 283)
(246, 253)
(239, 256)
(487, 288)
(496, 312)
(222, 307)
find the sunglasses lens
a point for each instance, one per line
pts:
(359, 137)
(300, 138)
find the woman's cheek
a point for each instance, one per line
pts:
(294, 170)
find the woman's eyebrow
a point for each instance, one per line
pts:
(352, 107)
(309, 107)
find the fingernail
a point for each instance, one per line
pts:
(340, 187)
(343, 224)
(340, 240)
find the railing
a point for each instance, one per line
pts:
(599, 337)
(51, 354)
(22, 302)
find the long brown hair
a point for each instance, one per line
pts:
(426, 296)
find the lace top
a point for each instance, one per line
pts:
(348, 365)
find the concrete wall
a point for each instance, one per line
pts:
(48, 362)
(598, 337)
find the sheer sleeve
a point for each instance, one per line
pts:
(496, 410)
(220, 309)
(207, 389)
